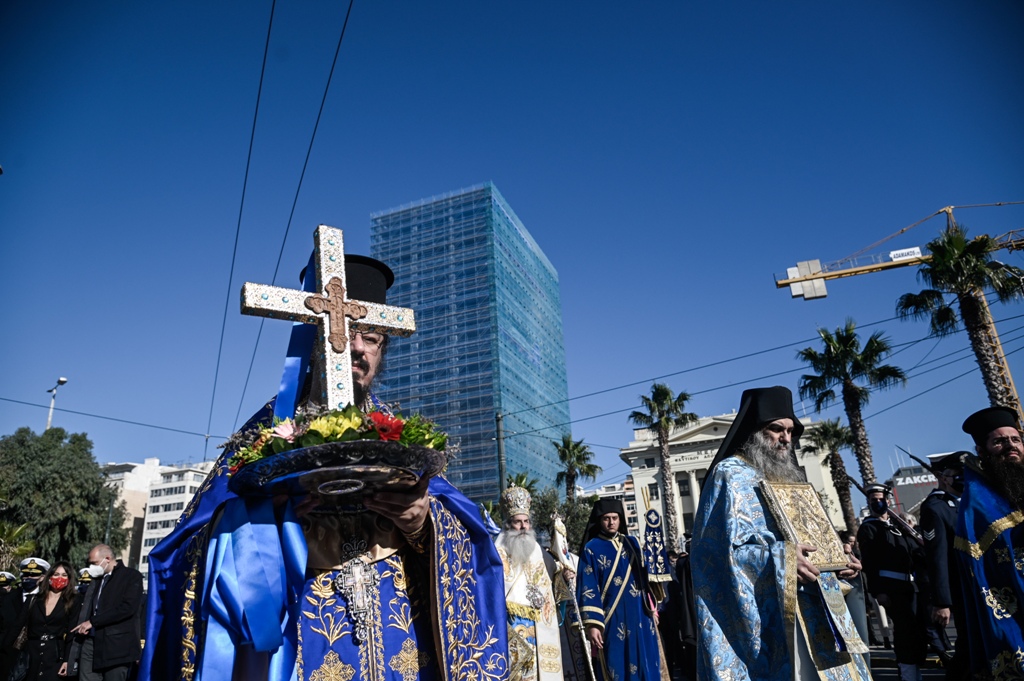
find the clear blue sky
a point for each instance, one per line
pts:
(669, 157)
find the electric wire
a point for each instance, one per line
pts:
(112, 418)
(295, 202)
(238, 228)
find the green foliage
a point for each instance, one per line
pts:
(53, 484)
(14, 544)
(574, 514)
(577, 462)
(846, 371)
(523, 480)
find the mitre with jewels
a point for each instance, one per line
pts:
(515, 501)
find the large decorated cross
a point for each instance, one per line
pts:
(335, 316)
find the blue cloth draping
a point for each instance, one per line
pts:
(990, 549)
(749, 607)
(611, 598)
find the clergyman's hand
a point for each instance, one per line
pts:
(853, 565)
(806, 573)
(596, 639)
(940, 616)
(63, 669)
(408, 510)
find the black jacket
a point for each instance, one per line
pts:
(118, 619)
(885, 547)
(938, 527)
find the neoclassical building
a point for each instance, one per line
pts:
(691, 450)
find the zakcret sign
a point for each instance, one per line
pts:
(925, 479)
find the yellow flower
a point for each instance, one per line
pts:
(336, 425)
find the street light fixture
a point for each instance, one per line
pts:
(53, 398)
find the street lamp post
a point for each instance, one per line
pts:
(53, 398)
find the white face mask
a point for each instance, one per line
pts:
(95, 571)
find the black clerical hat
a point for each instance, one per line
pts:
(758, 407)
(602, 507)
(979, 424)
(366, 279)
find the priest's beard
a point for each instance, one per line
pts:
(519, 545)
(775, 461)
(1008, 478)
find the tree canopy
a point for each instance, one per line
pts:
(52, 483)
(856, 371)
(665, 411)
(577, 462)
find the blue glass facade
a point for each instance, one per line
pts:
(488, 333)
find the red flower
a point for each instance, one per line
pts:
(387, 427)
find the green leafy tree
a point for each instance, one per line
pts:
(665, 411)
(523, 480)
(828, 438)
(577, 462)
(14, 544)
(855, 372)
(53, 484)
(574, 514)
(962, 270)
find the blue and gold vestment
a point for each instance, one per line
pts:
(231, 596)
(611, 598)
(990, 548)
(750, 611)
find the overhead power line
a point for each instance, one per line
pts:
(112, 418)
(295, 202)
(238, 225)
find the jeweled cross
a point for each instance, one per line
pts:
(357, 582)
(334, 315)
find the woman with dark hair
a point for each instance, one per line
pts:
(49, 617)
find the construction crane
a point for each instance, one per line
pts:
(807, 281)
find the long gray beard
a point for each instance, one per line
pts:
(775, 462)
(519, 545)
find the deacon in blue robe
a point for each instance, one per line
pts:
(989, 545)
(755, 621)
(244, 589)
(617, 602)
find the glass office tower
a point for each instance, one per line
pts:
(488, 334)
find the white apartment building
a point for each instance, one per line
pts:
(167, 499)
(132, 482)
(691, 451)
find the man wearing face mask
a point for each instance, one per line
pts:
(110, 619)
(891, 557)
(32, 570)
(938, 527)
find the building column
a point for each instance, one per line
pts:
(694, 490)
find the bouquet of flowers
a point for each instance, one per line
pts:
(315, 427)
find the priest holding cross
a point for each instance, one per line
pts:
(403, 583)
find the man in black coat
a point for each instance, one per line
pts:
(938, 527)
(891, 558)
(112, 622)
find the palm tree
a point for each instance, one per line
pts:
(842, 364)
(14, 544)
(829, 437)
(523, 480)
(577, 462)
(665, 411)
(963, 269)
